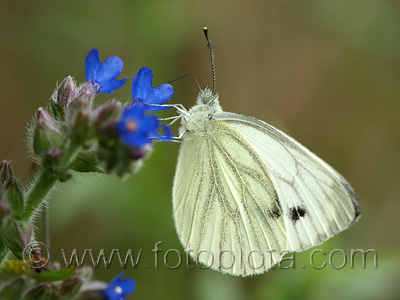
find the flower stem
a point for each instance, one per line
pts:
(71, 154)
(41, 188)
(46, 226)
(44, 183)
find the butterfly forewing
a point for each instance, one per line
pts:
(317, 202)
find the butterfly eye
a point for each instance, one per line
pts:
(207, 98)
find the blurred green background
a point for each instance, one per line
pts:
(326, 72)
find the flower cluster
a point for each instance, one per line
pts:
(60, 284)
(71, 135)
(136, 128)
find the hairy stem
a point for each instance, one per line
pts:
(46, 226)
(41, 188)
(44, 183)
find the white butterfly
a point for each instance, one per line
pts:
(245, 193)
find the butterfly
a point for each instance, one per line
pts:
(245, 193)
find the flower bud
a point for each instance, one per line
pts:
(109, 133)
(70, 287)
(17, 236)
(82, 124)
(58, 111)
(15, 196)
(46, 134)
(88, 90)
(107, 113)
(62, 97)
(140, 153)
(78, 119)
(43, 291)
(52, 158)
(85, 272)
(86, 93)
(66, 92)
(10, 189)
(2, 191)
(6, 172)
(92, 291)
(4, 212)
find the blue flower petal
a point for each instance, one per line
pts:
(128, 285)
(104, 74)
(163, 93)
(138, 140)
(143, 91)
(151, 122)
(109, 87)
(92, 64)
(119, 288)
(141, 83)
(144, 126)
(109, 69)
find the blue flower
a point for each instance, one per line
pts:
(136, 128)
(119, 288)
(144, 93)
(104, 74)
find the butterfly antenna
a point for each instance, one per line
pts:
(190, 74)
(205, 29)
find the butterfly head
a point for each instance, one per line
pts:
(206, 96)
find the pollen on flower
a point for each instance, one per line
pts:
(131, 125)
(118, 289)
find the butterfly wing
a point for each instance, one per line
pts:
(317, 202)
(227, 213)
(244, 192)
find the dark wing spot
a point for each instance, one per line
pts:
(276, 210)
(296, 213)
(275, 213)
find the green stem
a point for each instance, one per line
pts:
(71, 154)
(46, 226)
(39, 191)
(44, 183)
(41, 188)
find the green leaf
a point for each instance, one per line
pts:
(86, 162)
(53, 275)
(58, 111)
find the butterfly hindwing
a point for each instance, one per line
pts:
(225, 203)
